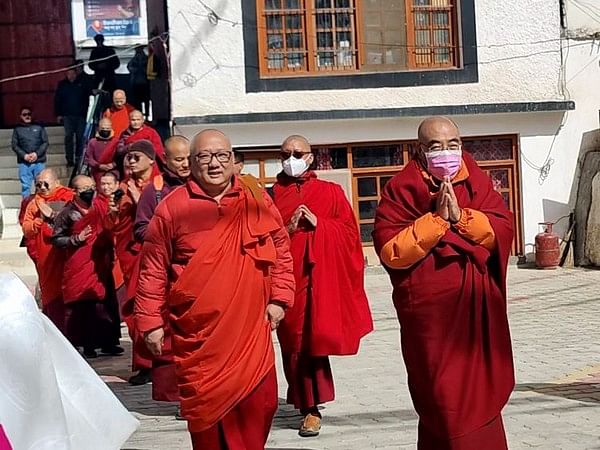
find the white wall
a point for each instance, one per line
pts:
(208, 64)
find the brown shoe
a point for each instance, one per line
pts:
(311, 425)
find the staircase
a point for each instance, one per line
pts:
(13, 257)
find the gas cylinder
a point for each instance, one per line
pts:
(547, 248)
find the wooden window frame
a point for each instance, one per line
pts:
(308, 13)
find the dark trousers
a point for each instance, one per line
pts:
(74, 129)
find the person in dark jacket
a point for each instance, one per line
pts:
(30, 143)
(140, 89)
(70, 106)
(175, 174)
(104, 62)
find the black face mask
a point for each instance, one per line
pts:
(87, 196)
(104, 134)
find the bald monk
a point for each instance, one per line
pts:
(87, 284)
(120, 221)
(444, 235)
(119, 112)
(137, 131)
(49, 199)
(95, 150)
(216, 256)
(331, 313)
(176, 173)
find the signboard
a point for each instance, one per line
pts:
(122, 22)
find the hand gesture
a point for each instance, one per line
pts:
(33, 156)
(113, 206)
(45, 210)
(454, 211)
(85, 234)
(154, 341)
(274, 314)
(441, 207)
(308, 215)
(134, 191)
(293, 224)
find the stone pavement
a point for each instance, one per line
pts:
(555, 321)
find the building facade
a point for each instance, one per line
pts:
(357, 76)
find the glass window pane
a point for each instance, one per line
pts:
(342, 4)
(294, 40)
(383, 181)
(421, 19)
(342, 20)
(275, 60)
(293, 22)
(273, 22)
(325, 59)
(367, 187)
(274, 41)
(339, 158)
(324, 21)
(324, 40)
(272, 4)
(272, 168)
(441, 37)
(365, 232)
(422, 38)
(292, 4)
(366, 209)
(441, 18)
(295, 60)
(319, 4)
(252, 167)
(377, 156)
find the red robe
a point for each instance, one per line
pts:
(127, 251)
(49, 260)
(331, 312)
(114, 152)
(330, 261)
(452, 311)
(215, 267)
(119, 117)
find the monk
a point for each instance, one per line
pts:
(120, 221)
(109, 183)
(216, 256)
(331, 313)
(119, 112)
(87, 284)
(95, 149)
(137, 131)
(444, 235)
(40, 213)
(176, 173)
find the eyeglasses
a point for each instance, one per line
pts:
(439, 147)
(26, 114)
(42, 185)
(296, 154)
(206, 158)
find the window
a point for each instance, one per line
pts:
(316, 37)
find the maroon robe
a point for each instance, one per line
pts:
(452, 311)
(330, 313)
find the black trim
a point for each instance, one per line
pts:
(415, 111)
(468, 73)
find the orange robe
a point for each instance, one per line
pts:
(119, 118)
(215, 267)
(50, 260)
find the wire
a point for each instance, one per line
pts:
(75, 66)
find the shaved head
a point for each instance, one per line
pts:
(298, 139)
(47, 175)
(209, 135)
(119, 98)
(177, 155)
(136, 119)
(432, 126)
(82, 181)
(105, 122)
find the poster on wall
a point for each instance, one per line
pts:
(122, 22)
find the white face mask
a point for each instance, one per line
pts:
(294, 167)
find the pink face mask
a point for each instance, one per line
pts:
(444, 163)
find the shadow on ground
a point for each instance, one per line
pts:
(582, 392)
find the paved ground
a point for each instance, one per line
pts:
(555, 320)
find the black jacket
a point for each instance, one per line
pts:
(71, 99)
(29, 138)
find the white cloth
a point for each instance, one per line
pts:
(50, 398)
